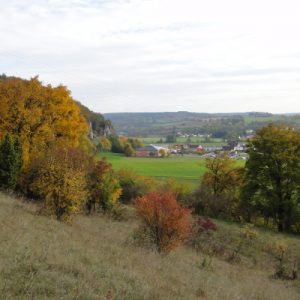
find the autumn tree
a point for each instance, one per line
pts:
(104, 144)
(272, 176)
(166, 222)
(221, 174)
(162, 152)
(10, 161)
(122, 144)
(104, 188)
(59, 179)
(116, 145)
(128, 150)
(135, 143)
(218, 194)
(39, 115)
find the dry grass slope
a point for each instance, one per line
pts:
(94, 258)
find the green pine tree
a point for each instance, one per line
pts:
(10, 161)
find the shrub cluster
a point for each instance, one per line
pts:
(69, 181)
(134, 185)
(166, 222)
(121, 144)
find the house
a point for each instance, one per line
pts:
(214, 149)
(200, 149)
(152, 151)
(235, 146)
(240, 147)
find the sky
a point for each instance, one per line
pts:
(159, 55)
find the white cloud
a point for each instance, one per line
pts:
(159, 55)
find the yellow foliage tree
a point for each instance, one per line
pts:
(222, 175)
(219, 191)
(39, 115)
(59, 178)
(104, 144)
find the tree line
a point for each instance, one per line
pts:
(266, 190)
(45, 150)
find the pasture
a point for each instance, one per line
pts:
(212, 142)
(188, 169)
(265, 119)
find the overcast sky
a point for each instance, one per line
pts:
(159, 55)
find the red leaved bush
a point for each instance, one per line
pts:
(166, 221)
(205, 224)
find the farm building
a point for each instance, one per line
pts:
(200, 149)
(152, 151)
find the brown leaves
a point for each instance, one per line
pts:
(167, 223)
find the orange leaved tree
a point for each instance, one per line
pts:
(166, 222)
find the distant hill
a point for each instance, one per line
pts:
(220, 125)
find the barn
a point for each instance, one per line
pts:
(152, 151)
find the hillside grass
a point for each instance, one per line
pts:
(95, 258)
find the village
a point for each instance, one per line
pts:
(236, 150)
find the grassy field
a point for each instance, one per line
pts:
(264, 119)
(180, 140)
(188, 169)
(96, 258)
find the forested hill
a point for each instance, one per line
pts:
(220, 125)
(100, 125)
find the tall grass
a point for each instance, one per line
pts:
(96, 258)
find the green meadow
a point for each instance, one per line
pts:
(265, 119)
(187, 169)
(212, 142)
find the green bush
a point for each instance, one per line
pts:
(128, 150)
(133, 185)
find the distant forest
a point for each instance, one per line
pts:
(221, 125)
